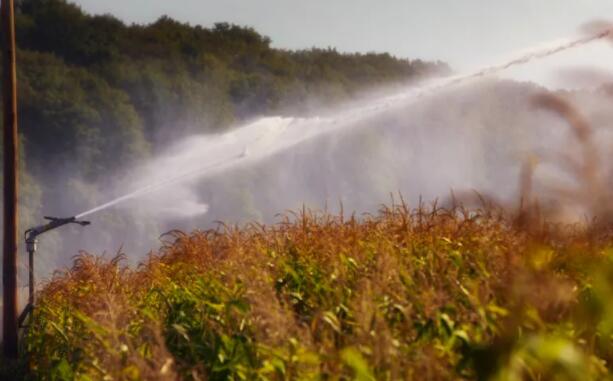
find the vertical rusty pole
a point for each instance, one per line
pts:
(9, 258)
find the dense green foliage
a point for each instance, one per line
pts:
(403, 295)
(100, 93)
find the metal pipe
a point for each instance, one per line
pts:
(31, 277)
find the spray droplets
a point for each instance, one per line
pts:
(209, 155)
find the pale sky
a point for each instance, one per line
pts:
(465, 33)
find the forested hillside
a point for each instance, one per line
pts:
(99, 93)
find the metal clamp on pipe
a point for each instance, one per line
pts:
(31, 239)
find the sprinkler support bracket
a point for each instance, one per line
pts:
(31, 239)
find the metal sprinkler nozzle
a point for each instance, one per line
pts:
(54, 224)
(32, 234)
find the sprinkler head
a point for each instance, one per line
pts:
(55, 223)
(64, 221)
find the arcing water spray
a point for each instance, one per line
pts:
(269, 136)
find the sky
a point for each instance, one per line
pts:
(465, 33)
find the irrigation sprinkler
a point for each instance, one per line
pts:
(31, 239)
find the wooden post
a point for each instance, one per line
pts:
(9, 258)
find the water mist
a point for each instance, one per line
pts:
(205, 156)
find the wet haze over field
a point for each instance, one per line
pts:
(463, 133)
(204, 156)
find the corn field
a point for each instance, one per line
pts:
(405, 294)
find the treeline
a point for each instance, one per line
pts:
(97, 93)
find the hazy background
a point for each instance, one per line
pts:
(466, 34)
